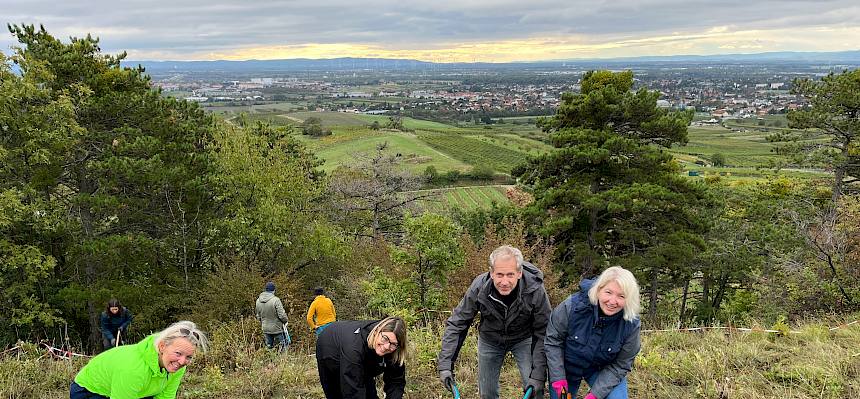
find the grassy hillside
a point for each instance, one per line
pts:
(815, 363)
(343, 144)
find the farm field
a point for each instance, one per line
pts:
(417, 155)
(475, 152)
(503, 145)
(465, 198)
(740, 149)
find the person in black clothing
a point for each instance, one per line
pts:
(113, 320)
(351, 353)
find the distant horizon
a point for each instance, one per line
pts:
(855, 53)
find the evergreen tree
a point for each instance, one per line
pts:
(834, 111)
(607, 194)
(114, 170)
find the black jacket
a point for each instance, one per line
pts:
(526, 317)
(342, 349)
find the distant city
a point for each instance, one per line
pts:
(743, 86)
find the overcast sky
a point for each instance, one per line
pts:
(442, 30)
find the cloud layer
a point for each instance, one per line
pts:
(444, 30)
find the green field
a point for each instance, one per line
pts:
(465, 198)
(741, 149)
(475, 152)
(345, 144)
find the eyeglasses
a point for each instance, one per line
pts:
(189, 334)
(387, 341)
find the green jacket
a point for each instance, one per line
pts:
(130, 372)
(270, 311)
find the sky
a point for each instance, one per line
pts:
(442, 30)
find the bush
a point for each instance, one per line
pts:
(718, 159)
(482, 172)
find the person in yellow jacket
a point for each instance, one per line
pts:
(151, 368)
(321, 313)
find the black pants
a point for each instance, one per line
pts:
(330, 380)
(78, 392)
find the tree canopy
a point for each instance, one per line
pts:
(607, 193)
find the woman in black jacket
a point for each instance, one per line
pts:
(351, 353)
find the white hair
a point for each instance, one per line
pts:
(183, 329)
(507, 252)
(628, 285)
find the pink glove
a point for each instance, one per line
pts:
(590, 396)
(558, 386)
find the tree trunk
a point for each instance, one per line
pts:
(684, 303)
(652, 302)
(839, 172)
(93, 310)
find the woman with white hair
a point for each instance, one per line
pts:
(594, 335)
(151, 368)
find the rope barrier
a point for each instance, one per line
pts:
(62, 353)
(743, 329)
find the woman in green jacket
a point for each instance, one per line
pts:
(151, 368)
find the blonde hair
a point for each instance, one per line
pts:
(628, 285)
(507, 252)
(183, 329)
(398, 327)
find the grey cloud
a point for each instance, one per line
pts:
(216, 25)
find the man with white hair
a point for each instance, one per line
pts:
(515, 310)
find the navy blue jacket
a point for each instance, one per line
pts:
(110, 324)
(579, 342)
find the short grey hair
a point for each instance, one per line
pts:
(507, 252)
(183, 329)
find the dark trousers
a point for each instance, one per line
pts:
(330, 381)
(78, 392)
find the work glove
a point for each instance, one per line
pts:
(447, 379)
(558, 386)
(535, 385)
(590, 396)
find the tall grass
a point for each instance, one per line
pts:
(816, 363)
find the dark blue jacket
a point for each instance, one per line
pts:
(580, 342)
(110, 324)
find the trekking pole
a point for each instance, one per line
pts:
(454, 390)
(528, 393)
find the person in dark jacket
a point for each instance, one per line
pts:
(113, 324)
(594, 335)
(515, 310)
(351, 353)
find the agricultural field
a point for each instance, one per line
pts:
(476, 152)
(749, 149)
(416, 155)
(516, 143)
(465, 198)
(330, 119)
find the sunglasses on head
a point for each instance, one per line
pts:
(189, 334)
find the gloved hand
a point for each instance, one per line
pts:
(536, 385)
(113, 342)
(447, 379)
(558, 386)
(590, 396)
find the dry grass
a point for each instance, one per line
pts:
(816, 363)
